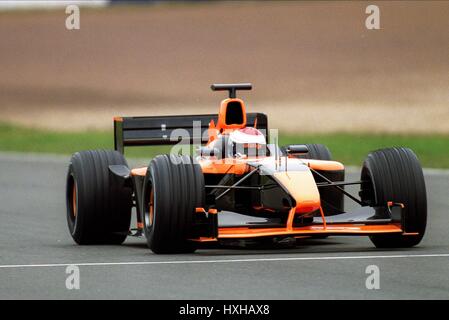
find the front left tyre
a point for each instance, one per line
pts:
(395, 174)
(98, 205)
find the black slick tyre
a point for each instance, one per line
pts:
(395, 174)
(98, 206)
(172, 190)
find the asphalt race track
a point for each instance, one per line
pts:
(35, 248)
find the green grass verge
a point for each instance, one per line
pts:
(351, 149)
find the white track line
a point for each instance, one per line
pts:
(49, 265)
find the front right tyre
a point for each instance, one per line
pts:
(173, 189)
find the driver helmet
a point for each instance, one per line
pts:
(248, 141)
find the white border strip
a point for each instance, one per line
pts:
(142, 263)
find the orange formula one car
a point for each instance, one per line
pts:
(237, 186)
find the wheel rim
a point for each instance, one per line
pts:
(151, 209)
(74, 200)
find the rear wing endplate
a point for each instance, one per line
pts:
(159, 130)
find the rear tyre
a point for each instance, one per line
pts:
(316, 151)
(98, 206)
(395, 174)
(332, 201)
(173, 188)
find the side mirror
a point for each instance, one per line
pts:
(208, 152)
(297, 149)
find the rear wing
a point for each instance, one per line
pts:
(147, 131)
